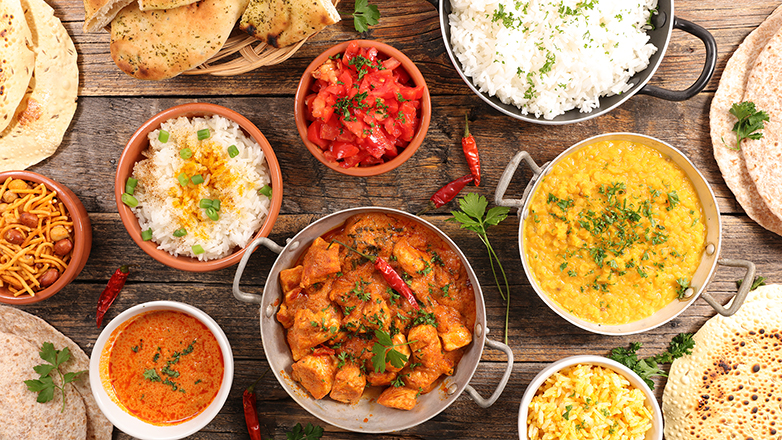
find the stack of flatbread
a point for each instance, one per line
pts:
(159, 39)
(21, 417)
(753, 172)
(729, 387)
(38, 83)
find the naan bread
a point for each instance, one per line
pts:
(162, 44)
(764, 156)
(17, 59)
(146, 5)
(731, 90)
(21, 416)
(47, 108)
(280, 23)
(99, 13)
(37, 331)
(729, 387)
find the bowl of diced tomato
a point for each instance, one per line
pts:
(362, 108)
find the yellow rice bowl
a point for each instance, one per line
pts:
(588, 402)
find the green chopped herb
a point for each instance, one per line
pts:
(185, 153)
(216, 204)
(680, 345)
(197, 179)
(759, 281)
(181, 232)
(203, 134)
(129, 200)
(130, 185)
(197, 249)
(233, 151)
(162, 136)
(266, 190)
(750, 121)
(364, 15)
(182, 178)
(212, 213)
(146, 235)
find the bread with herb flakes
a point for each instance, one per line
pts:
(281, 23)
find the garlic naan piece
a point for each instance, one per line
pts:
(281, 23)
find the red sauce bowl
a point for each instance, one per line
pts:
(304, 89)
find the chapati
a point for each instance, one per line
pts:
(729, 386)
(162, 44)
(17, 59)
(764, 156)
(46, 110)
(281, 23)
(37, 331)
(99, 13)
(21, 416)
(731, 90)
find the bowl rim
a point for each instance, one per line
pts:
(655, 432)
(135, 427)
(82, 236)
(128, 159)
(302, 90)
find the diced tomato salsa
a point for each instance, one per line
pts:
(364, 109)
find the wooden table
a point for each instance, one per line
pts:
(112, 105)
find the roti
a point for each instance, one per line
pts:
(731, 90)
(729, 386)
(37, 331)
(281, 23)
(161, 44)
(17, 59)
(99, 13)
(46, 110)
(21, 417)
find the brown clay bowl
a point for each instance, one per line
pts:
(132, 154)
(300, 109)
(82, 236)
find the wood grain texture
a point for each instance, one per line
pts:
(112, 105)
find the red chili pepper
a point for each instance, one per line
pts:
(449, 191)
(389, 274)
(250, 414)
(471, 152)
(110, 293)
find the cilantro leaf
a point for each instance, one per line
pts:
(383, 352)
(383, 338)
(365, 15)
(759, 281)
(48, 353)
(47, 394)
(379, 358)
(309, 433)
(496, 215)
(45, 386)
(647, 368)
(750, 121)
(43, 369)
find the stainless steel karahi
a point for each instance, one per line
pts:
(367, 416)
(703, 275)
(664, 22)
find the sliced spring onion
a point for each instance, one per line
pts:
(197, 179)
(181, 232)
(216, 204)
(162, 136)
(197, 249)
(266, 191)
(146, 235)
(233, 151)
(185, 153)
(182, 178)
(130, 185)
(205, 203)
(212, 213)
(129, 200)
(203, 134)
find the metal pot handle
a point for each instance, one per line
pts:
(741, 295)
(485, 403)
(507, 176)
(244, 296)
(708, 67)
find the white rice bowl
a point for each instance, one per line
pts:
(546, 56)
(165, 206)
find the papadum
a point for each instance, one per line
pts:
(729, 386)
(281, 23)
(17, 59)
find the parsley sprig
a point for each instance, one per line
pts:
(383, 351)
(680, 345)
(750, 121)
(45, 386)
(301, 433)
(365, 15)
(474, 217)
(759, 281)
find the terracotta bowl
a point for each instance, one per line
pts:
(82, 236)
(302, 123)
(132, 154)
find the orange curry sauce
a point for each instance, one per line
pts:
(164, 367)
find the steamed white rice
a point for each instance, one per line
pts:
(165, 205)
(547, 57)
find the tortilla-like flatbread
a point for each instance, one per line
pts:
(147, 5)
(731, 90)
(99, 13)
(47, 108)
(162, 44)
(37, 331)
(17, 59)
(281, 23)
(729, 386)
(21, 417)
(764, 156)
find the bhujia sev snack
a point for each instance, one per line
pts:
(36, 237)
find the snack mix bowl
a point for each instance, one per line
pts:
(304, 90)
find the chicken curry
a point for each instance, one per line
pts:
(348, 329)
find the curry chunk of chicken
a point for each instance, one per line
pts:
(450, 327)
(310, 329)
(316, 374)
(320, 261)
(409, 258)
(399, 398)
(349, 384)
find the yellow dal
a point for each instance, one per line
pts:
(600, 275)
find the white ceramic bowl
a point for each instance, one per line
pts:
(136, 427)
(656, 433)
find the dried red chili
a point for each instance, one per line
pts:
(471, 152)
(250, 413)
(449, 191)
(110, 293)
